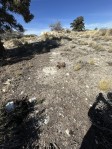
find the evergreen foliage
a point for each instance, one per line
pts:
(8, 21)
(78, 24)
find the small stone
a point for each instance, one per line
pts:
(87, 86)
(8, 82)
(60, 114)
(4, 90)
(33, 99)
(90, 105)
(67, 74)
(67, 132)
(46, 120)
(86, 99)
(61, 65)
(39, 123)
(96, 141)
(34, 88)
(74, 120)
(10, 106)
(21, 92)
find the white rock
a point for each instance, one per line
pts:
(33, 99)
(55, 53)
(74, 120)
(51, 60)
(67, 132)
(67, 74)
(46, 120)
(90, 105)
(10, 106)
(8, 82)
(60, 114)
(87, 86)
(4, 90)
(21, 92)
(39, 123)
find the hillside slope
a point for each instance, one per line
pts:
(70, 90)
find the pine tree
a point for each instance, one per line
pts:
(8, 21)
(78, 24)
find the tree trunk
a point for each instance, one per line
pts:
(2, 50)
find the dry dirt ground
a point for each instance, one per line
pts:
(68, 92)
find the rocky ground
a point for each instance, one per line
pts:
(68, 91)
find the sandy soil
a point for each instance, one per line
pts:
(69, 92)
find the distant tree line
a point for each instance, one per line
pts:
(76, 25)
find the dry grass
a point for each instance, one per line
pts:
(92, 44)
(103, 32)
(104, 84)
(17, 42)
(78, 66)
(109, 32)
(82, 42)
(110, 50)
(45, 35)
(52, 35)
(96, 38)
(107, 38)
(87, 36)
(91, 62)
(96, 46)
(31, 36)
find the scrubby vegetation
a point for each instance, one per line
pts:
(105, 84)
(56, 26)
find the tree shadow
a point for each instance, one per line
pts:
(27, 51)
(99, 136)
(20, 128)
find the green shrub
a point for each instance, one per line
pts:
(78, 24)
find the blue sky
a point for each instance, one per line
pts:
(97, 13)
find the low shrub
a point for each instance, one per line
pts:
(56, 26)
(104, 84)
